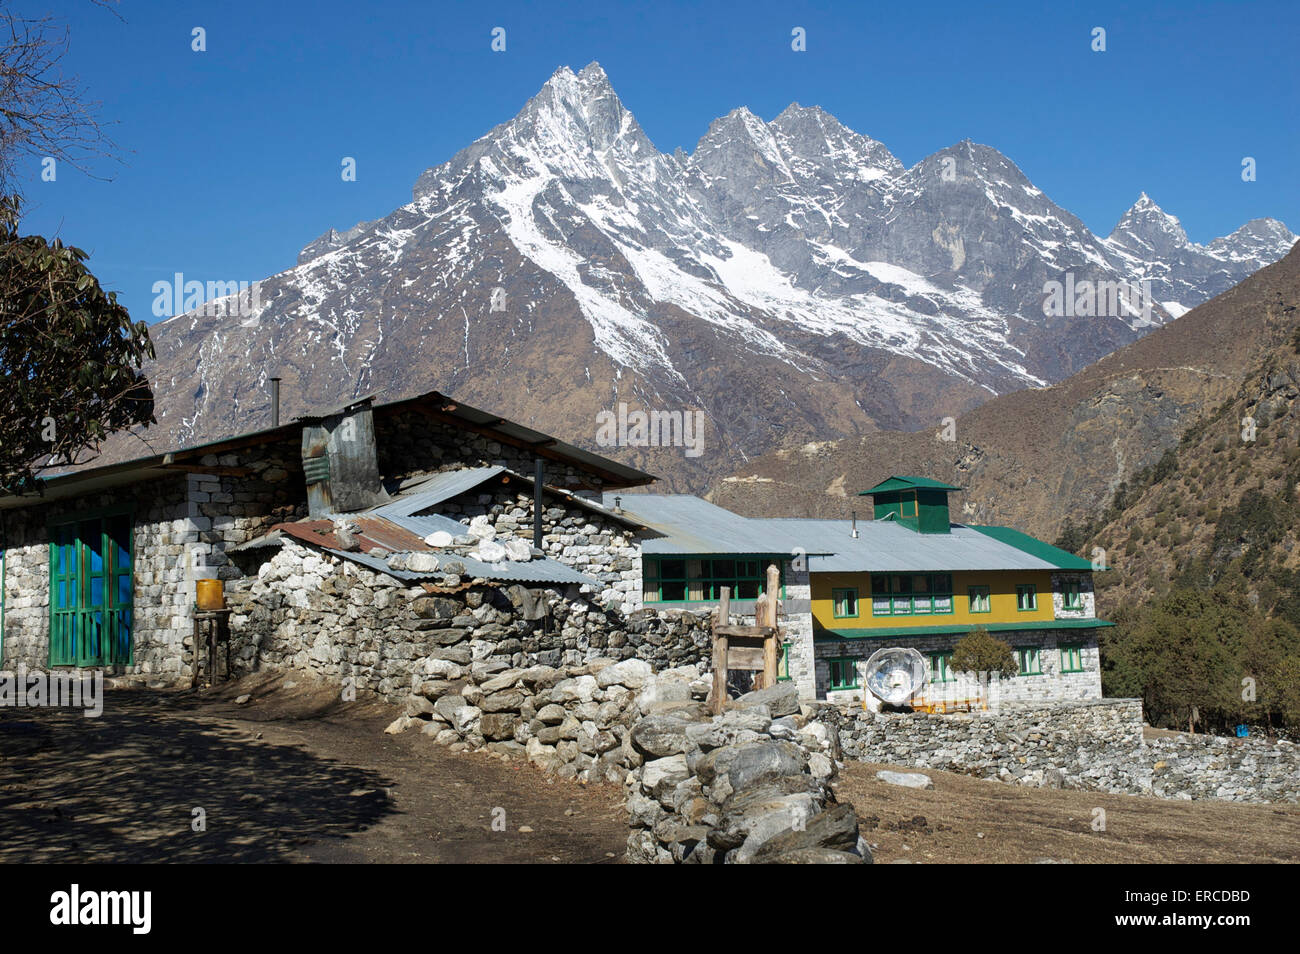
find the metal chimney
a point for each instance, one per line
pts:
(854, 531)
(275, 402)
(539, 476)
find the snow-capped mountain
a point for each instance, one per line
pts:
(788, 278)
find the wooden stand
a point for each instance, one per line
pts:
(747, 648)
(214, 625)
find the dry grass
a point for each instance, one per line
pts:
(1022, 825)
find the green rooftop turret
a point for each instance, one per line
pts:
(918, 503)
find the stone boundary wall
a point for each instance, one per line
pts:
(1095, 745)
(750, 785)
(313, 611)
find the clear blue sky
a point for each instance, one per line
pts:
(233, 155)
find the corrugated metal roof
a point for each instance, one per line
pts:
(421, 493)
(544, 570)
(689, 525)
(427, 491)
(884, 546)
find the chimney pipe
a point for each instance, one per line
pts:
(854, 532)
(538, 477)
(275, 402)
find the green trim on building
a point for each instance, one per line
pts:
(1061, 559)
(1029, 660)
(1071, 657)
(835, 635)
(906, 483)
(844, 594)
(839, 668)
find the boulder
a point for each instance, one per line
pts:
(781, 699)
(660, 735)
(497, 725)
(836, 828)
(751, 763)
(633, 673)
(905, 779)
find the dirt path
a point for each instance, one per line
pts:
(1021, 825)
(292, 775)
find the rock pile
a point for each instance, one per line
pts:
(749, 786)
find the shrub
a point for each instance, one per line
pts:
(979, 651)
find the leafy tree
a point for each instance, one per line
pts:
(70, 356)
(979, 651)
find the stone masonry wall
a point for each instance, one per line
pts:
(311, 610)
(183, 527)
(1096, 745)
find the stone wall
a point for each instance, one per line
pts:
(409, 443)
(1095, 745)
(311, 610)
(604, 549)
(161, 532)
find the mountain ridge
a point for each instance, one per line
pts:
(560, 264)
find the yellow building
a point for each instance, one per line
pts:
(912, 578)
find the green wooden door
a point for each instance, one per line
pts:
(91, 618)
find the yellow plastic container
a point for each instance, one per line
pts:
(210, 595)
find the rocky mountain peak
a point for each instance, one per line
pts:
(1148, 227)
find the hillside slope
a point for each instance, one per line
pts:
(1038, 457)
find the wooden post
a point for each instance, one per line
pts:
(722, 617)
(771, 609)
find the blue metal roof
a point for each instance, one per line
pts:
(543, 570)
(689, 525)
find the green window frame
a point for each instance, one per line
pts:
(911, 594)
(1029, 660)
(1071, 657)
(844, 673)
(906, 499)
(1026, 597)
(941, 667)
(783, 670)
(91, 595)
(1071, 596)
(844, 602)
(981, 599)
(674, 579)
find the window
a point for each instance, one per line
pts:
(1029, 659)
(1072, 657)
(783, 670)
(908, 594)
(980, 601)
(1072, 599)
(689, 580)
(1026, 597)
(844, 674)
(907, 505)
(846, 602)
(941, 668)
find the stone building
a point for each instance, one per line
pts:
(99, 569)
